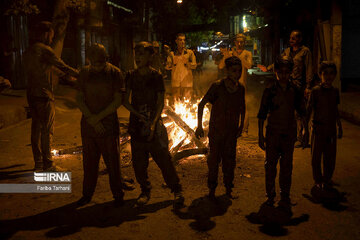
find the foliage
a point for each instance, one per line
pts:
(22, 7)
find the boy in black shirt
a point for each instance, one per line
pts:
(278, 105)
(323, 103)
(148, 134)
(227, 97)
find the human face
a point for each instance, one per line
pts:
(283, 74)
(328, 77)
(234, 72)
(142, 57)
(180, 41)
(240, 43)
(295, 39)
(97, 65)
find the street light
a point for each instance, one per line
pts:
(179, 1)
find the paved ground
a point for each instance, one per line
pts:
(40, 216)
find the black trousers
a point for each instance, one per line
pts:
(42, 129)
(323, 147)
(279, 147)
(109, 148)
(222, 149)
(158, 148)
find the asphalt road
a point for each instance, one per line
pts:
(40, 216)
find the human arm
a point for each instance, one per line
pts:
(338, 121)
(99, 128)
(209, 97)
(119, 89)
(159, 108)
(242, 115)
(131, 109)
(192, 61)
(50, 57)
(262, 115)
(169, 62)
(246, 59)
(309, 70)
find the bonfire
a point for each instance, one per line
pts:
(180, 120)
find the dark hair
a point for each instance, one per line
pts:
(44, 27)
(283, 61)
(327, 64)
(299, 33)
(97, 51)
(232, 61)
(180, 35)
(148, 47)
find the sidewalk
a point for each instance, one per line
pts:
(13, 105)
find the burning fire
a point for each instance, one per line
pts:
(55, 152)
(187, 111)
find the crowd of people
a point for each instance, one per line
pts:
(287, 105)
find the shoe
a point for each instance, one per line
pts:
(54, 168)
(285, 203)
(118, 202)
(270, 202)
(178, 199)
(83, 201)
(38, 167)
(143, 198)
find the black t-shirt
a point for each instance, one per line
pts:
(323, 102)
(278, 106)
(144, 90)
(226, 108)
(98, 89)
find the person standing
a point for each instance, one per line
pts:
(246, 59)
(181, 62)
(148, 133)
(301, 76)
(227, 98)
(101, 86)
(278, 105)
(40, 60)
(323, 104)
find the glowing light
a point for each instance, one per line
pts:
(55, 152)
(187, 111)
(179, 1)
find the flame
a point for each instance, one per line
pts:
(187, 111)
(55, 152)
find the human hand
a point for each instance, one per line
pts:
(199, 133)
(99, 128)
(262, 142)
(93, 120)
(152, 133)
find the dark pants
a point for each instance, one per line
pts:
(324, 146)
(222, 149)
(109, 148)
(42, 129)
(279, 146)
(158, 148)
